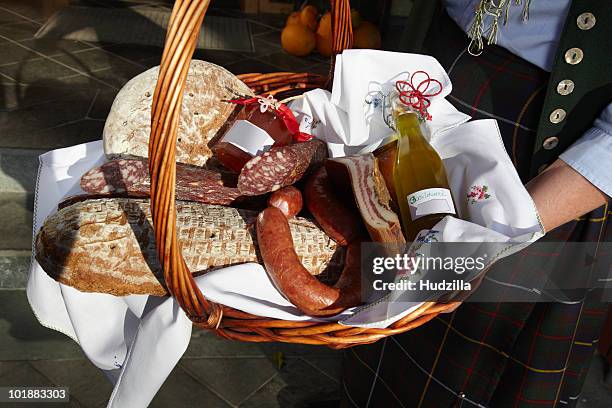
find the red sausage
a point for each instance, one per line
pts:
(293, 280)
(288, 200)
(340, 221)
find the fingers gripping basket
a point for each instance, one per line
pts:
(183, 32)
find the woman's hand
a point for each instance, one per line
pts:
(561, 194)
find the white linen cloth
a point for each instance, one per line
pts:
(126, 336)
(351, 117)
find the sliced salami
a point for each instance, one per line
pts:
(280, 167)
(130, 177)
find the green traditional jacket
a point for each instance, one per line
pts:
(580, 84)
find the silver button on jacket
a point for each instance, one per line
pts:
(550, 143)
(557, 115)
(586, 21)
(574, 56)
(565, 87)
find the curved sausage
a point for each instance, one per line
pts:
(340, 221)
(288, 200)
(293, 280)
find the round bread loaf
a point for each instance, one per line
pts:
(204, 112)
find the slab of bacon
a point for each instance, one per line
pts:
(371, 195)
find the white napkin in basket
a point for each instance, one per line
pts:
(350, 118)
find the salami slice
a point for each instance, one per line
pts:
(280, 167)
(130, 177)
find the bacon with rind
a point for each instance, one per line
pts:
(362, 174)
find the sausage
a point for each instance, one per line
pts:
(288, 200)
(339, 220)
(280, 167)
(130, 177)
(293, 280)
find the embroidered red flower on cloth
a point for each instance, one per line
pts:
(478, 193)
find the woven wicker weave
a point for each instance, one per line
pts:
(183, 31)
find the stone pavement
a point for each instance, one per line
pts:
(213, 372)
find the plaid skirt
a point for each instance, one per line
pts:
(488, 354)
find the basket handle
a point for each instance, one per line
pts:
(342, 27)
(181, 39)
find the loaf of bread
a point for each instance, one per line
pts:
(108, 246)
(204, 113)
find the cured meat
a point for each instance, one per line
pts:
(371, 195)
(130, 177)
(288, 200)
(386, 156)
(108, 245)
(293, 280)
(280, 167)
(338, 218)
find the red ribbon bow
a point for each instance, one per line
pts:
(417, 96)
(281, 110)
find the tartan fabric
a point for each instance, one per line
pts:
(489, 354)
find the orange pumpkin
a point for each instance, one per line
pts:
(298, 40)
(355, 19)
(367, 36)
(308, 17)
(324, 38)
(294, 18)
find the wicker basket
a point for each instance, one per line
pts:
(183, 31)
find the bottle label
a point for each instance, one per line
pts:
(430, 201)
(248, 137)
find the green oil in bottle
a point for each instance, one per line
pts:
(424, 196)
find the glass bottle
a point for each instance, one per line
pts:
(423, 194)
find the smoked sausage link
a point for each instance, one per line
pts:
(293, 280)
(339, 220)
(288, 200)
